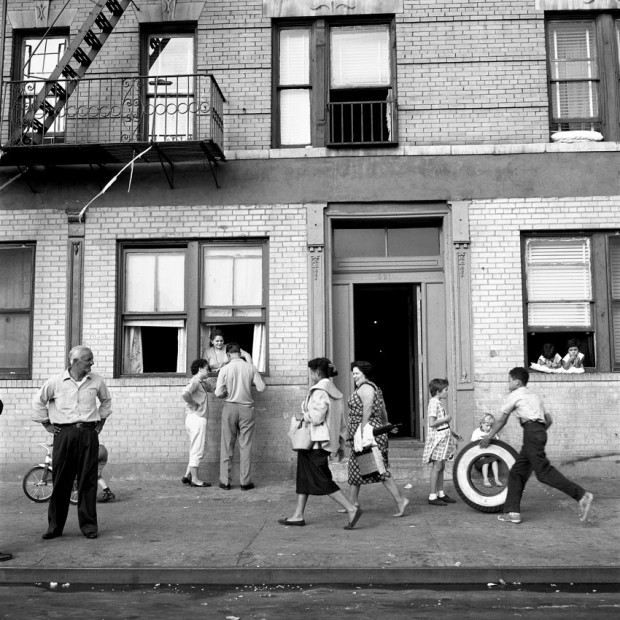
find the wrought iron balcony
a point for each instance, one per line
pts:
(105, 119)
(362, 123)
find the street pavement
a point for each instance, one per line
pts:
(163, 531)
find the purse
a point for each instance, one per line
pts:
(320, 432)
(370, 462)
(299, 434)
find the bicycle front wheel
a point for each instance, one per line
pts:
(37, 484)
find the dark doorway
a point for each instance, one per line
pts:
(384, 335)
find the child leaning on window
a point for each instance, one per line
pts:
(549, 358)
(574, 358)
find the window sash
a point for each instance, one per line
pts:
(154, 282)
(574, 70)
(16, 300)
(232, 277)
(360, 56)
(614, 278)
(559, 282)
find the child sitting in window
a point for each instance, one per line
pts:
(573, 360)
(549, 358)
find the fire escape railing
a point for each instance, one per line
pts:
(118, 109)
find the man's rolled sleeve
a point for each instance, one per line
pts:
(105, 401)
(40, 402)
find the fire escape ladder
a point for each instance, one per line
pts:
(64, 79)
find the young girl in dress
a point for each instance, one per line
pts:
(486, 424)
(549, 358)
(440, 443)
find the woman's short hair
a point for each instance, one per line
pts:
(436, 385)
(215, 333)
(365, 367)
(196, 365)
(324, 367)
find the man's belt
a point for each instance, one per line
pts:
(78, 425)
(532, 422)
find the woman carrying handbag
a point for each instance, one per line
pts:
(322, 412)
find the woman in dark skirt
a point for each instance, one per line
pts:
(322, 408)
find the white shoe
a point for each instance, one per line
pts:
(585, 503)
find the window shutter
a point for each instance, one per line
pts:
(360, 56)
(559, 282)
(573, 56)
(614, 268)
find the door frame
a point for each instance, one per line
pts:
(420, 271)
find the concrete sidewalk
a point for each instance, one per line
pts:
(165, 532)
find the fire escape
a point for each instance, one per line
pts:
(70, 118)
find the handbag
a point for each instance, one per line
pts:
(319, 432)
(370, 462)
(299, 434)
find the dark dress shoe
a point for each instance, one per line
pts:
(50, 535)
(437, 502)
(226, 487)
(91, 535)
(187, 479)
(5, 556)
(247, 487)
(445, 498)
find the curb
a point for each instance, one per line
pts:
(316, 576)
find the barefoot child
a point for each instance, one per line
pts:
(483, 464)
(440, 444)
(529, 409)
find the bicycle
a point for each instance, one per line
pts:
(38, 484)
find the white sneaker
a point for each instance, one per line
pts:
(510, 517)
(585, 503)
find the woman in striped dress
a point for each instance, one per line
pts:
(366, 406)
(440, 444)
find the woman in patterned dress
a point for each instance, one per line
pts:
(366, 406)
(440, 444)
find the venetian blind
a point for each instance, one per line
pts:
(573, 65)
(294, 103)
(360, 56)
(559, 282)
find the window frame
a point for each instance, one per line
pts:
(606, 37)
(193, 314)
(18, 66)
(23, 373)
(320, 73)
(601, 305)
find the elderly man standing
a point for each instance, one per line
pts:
(67, 406)
(234, 383)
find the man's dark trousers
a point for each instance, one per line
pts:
(76, 449)
(533, 458)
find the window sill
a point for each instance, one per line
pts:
(589, 375)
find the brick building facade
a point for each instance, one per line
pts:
(408, 247)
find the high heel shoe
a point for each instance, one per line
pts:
(343, 510)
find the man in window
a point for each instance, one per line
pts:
(234, 383)
(66, 405)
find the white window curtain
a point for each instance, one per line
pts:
(559, 282)
(133, 360)
(360, 56)
(259, 348)
(572, 47)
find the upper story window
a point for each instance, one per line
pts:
(583, 74)
(174, 296)
(35, 59)
(334, 84)
(16, 308)
(572, 292)
(168, 61)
